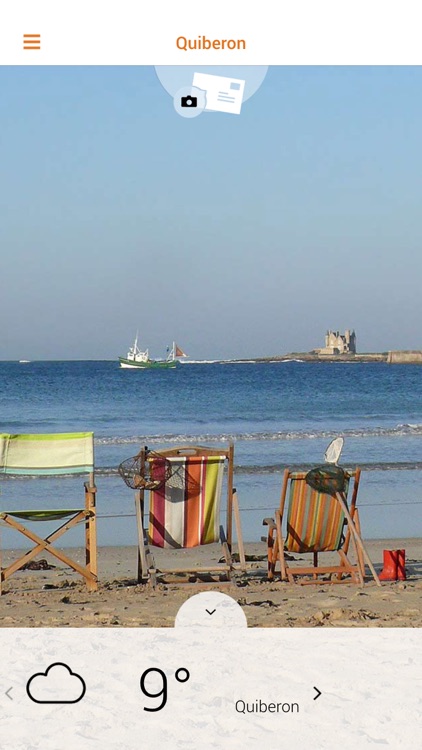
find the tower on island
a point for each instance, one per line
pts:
(338, 343)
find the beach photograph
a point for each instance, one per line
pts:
(211, 360)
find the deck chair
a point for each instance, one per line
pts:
(184, 510)
(45, 455)
(316, 522)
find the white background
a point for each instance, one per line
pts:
(293, 32)
(370, 680)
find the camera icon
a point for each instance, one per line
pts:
(189, 101)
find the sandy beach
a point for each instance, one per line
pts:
(58, 598)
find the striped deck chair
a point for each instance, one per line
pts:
(44, 455)
(315, 523)
(184, 510)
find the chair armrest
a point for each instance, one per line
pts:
(90, 487)
(269, 522)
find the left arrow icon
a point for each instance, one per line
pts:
(8, 693)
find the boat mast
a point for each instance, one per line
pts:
(171, 353)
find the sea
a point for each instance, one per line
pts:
(278, 414)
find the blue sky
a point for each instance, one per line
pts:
(235, 235)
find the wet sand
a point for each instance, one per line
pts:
(58, 597)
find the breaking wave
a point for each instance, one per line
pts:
(256, 470)
(398, 431)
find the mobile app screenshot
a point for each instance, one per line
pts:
(210, 376)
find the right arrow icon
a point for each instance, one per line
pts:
(318, 693)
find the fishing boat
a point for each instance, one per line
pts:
(175, 353)
(137, 359)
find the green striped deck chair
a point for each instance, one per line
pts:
(184, 509)
(311, 521)
(43, 455)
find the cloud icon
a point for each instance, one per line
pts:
(58, 684)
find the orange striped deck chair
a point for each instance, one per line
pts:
(184, 510)
(314, 523)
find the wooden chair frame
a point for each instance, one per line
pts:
(276, 543)
(147, 570)
(87, 515)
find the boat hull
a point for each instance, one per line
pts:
(151, 364)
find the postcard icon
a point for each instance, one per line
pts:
(222, 94)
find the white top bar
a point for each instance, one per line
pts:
(293, 32)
